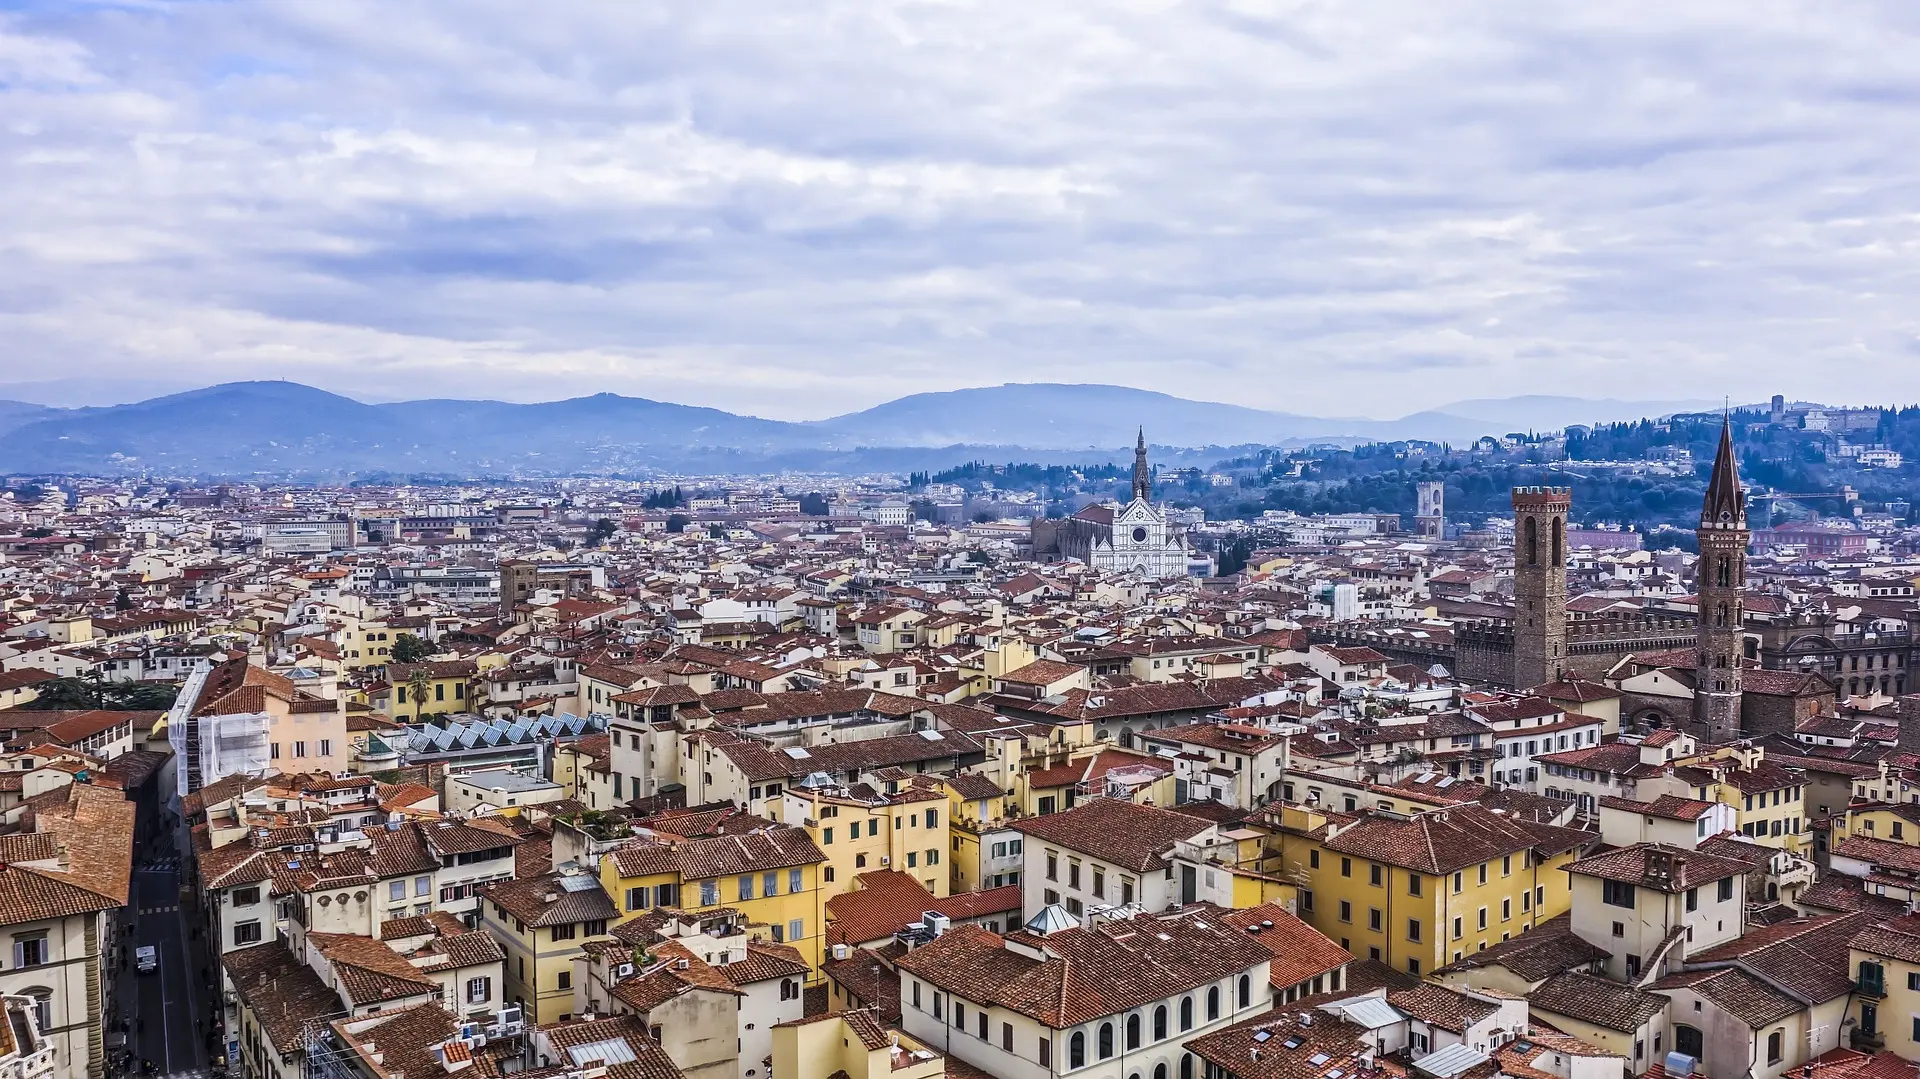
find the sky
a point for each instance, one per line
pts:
(798, 210)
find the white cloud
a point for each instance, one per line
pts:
(799, 210)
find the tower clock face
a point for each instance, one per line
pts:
(1139, 535)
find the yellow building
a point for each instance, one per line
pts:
(854, 1044)
(904, 827)
(367, 644)
(772, 877)
(976, 806)
(1769, 799)
(541, 923)
(1417, 892)
(436, 687)
(1885, 1003)
(1895, 822)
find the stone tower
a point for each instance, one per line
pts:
(1431, 520)
(1720, 577)
(1540, 584)
(1142, 476)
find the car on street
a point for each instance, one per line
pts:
(146, 959)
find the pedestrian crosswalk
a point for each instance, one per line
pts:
(168, 909)
(160, 865)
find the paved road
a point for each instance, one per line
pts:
(170, 1008)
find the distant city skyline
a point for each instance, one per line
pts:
(1347, 210)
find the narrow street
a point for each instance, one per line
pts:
(169, 1010)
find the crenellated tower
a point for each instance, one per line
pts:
(1720, 581)
(1540, 584)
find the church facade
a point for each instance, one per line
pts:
(1131, 538)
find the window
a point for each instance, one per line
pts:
(1213, 1002)
(1413, 929)
(1413, 884)
(1693, 900)
(1073, 873)
(826, 836)
(299, 749)
(1133, 1031)
(594, 927)
(42, 1007)
(1099, 884)
(933, 818)
(1046, 1052)
(746, 886)
(1246, 991)
(1456, 883)
(1006, 1037)
(422, 886)
(1346, 867)
(1459, 928)
(1726, 889)
(796, 881)
(1483, 917)
(1373, 919)
(913, 859)
(1346, 911)
(770, 883)
(1186, 1013)
(1775, 1045)
(797, 929)
(246, 933)
(1306, 900)
(1106, 1040)
(326, 747)
(565, 932)
(1313, 859)
(565, 980)
(1077, 1050)
(246, 897)
(1618, 893)
(396, 890)
(1053, 866)
(1373, 875)
(637, 898)
(479, 990)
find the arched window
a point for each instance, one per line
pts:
(1246, 991)
(1533, 559)
(1213, 1003)
(1106, 1040)
(859, 861)
(1559, 536)
(1160, 1023)
(1133, 1031)
(1186, 1013)
(1186, 1066)
(1160, 1070)
(42, 1007)
(1720, 616)
(1077, 1050)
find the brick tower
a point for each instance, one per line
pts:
(1540, 584)
(1720, 577)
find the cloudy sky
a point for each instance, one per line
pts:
(802, 209)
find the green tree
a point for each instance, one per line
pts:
(408, 648)
(602, 531)
(417, 682)
(678, 522)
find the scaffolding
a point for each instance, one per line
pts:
(236, 744)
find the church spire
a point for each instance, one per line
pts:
(1142, 477)
(1726, 504)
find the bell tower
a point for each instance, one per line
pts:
(1142, 476)
(1720, 580)
(1540, 584)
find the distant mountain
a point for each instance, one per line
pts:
(284, 428)
(1060, 416)
(16, 413)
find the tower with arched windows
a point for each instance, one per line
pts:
(1540, 584)
(1720, 579)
